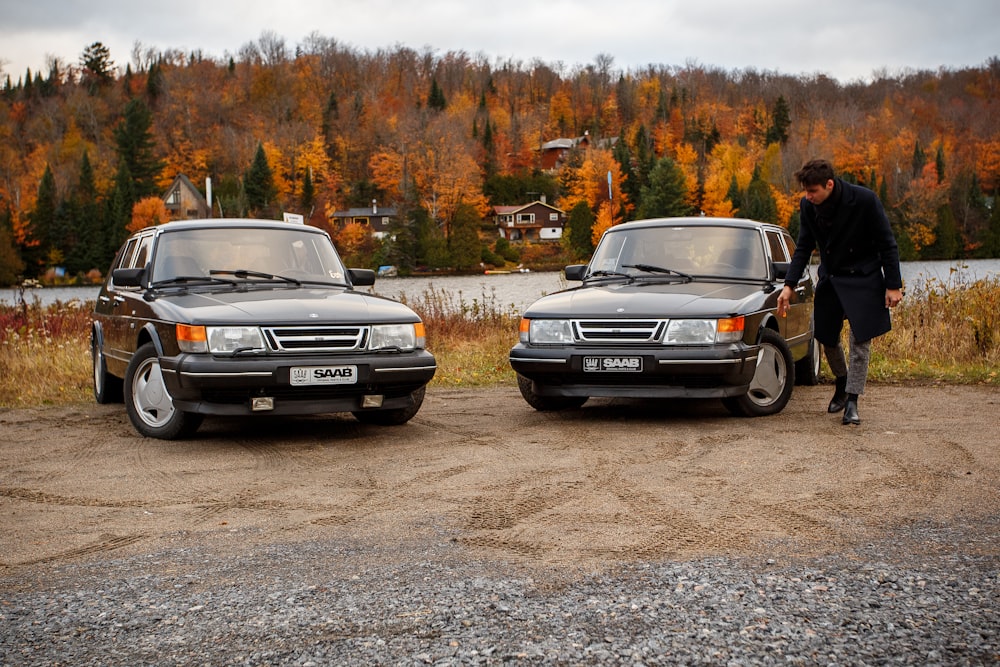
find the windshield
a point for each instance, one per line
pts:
(260, 253)
(730, 252)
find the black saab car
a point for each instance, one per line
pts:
(673, 308)
(242, 317)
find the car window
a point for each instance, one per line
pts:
(283, 252)
(777, 247)
(142, 252)
(699, 250)
(789, 243)
(125, 258)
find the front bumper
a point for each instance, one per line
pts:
(667, 372)
(212, 385)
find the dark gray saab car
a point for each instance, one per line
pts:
(242, 317)
(673, 308)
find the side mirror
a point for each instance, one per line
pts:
(576, 271)
(129, 277)
(780, 269)
(361, 277)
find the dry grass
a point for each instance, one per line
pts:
(45, 354)
(469, 340)
(944, 333)
(948, 331)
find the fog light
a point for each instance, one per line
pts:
(372, 401)
(258, 403)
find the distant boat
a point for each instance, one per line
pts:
(388, 271)
(495, 272)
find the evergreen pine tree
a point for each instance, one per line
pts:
(735, 196)
(258, 182)
(760, 204)
(781, 120)
(939, 164)
(580, 225)
(118, 215)
(44, 224)
(137, 148)
(308, 198)
(89, 252)
(435, 99)
(464, 243)
(918, 160)
(664, 196)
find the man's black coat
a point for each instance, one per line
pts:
(859, 260)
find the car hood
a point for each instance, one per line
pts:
(644, 299)
(302, 305)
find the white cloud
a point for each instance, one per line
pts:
(847, 40)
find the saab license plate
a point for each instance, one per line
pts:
(612, 364)
(306, 375)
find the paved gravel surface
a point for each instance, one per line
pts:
(484, 533)
(929, 596)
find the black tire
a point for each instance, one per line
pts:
(107, 388)
(395, 416)
(546, 403)
(807, 368)
(149, 405)
(772, 383)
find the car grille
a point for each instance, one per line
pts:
(316, 339)
(618, 331)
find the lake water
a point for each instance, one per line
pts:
(518, 290)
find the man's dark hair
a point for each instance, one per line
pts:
(814, 172)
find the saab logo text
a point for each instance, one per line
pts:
(612, 364)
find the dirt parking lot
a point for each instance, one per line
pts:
(615, 480)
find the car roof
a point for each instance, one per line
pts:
(695, 221)
(230, 223)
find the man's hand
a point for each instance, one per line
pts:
(784, 299)
(892, 298)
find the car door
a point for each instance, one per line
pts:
(796, 326)
(125, 306)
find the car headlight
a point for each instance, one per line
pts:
(704, 332)
(226, 340)
(543, 332)
(396, 336)
(219, 340)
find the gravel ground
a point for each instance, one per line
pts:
(928, 595)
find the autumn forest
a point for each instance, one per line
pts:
(87, 149)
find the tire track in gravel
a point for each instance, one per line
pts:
(614, 481)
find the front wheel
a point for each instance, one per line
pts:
(807, 368)
(395, 416)
(107, 388)
(148, 403)
(546, 403)
(772, 383)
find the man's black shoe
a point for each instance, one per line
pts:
(851, 412)
(839, 400)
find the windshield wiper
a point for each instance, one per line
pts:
(184, 281)
(243, 274)
(610, 274)
(650, 268)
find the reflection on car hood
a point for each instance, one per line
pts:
(281, 305)
(663, 300)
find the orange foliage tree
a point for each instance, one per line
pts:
(147, 212)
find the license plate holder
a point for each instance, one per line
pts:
(300, 376)
(612, 364)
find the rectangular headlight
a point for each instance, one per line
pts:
(704, 332)
(226, 340)
(546, 332)
(393, 337)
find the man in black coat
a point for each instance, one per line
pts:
(859, 276)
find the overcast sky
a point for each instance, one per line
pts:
(846, 39)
